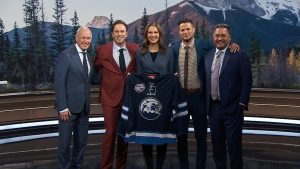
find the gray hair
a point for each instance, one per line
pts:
(81, 28)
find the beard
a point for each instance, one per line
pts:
(187, 41)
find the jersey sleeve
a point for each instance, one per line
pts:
(180, 116)
(124, 119)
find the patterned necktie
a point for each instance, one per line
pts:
(122, 60)
(186, 67)
(215, 76)
(84, 63)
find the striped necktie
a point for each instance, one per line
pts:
(215, 76)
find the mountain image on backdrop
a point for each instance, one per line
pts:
(268, 30)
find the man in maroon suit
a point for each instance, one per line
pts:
(114, 60)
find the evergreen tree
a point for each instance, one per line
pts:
(111, 21)
(144, 22)
(2, 27)
(136, 38)
(75, 24)
(16, 41)
(46, 62)
(257, 60)
(59, 32)
(33, 42)
(16, 61)
(98, 40)
(103, 37)
(7, 56)
(101, 40)
(284, 79)
(203, 30)
(7, 50)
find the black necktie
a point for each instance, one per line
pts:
(84, 63)
(186, 67)
(122, 60)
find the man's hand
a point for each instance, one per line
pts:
(234, 48)
(64, 116)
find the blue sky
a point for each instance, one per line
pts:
(127, 10)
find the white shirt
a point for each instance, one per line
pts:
(116, 54)
(81, 57)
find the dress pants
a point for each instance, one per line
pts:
(196, 107)
(161, 151)
(226, 133)
(111, 120)
(78, 124)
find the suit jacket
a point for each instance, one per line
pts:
(201, 48)
(111, 78)
(72, 87)
(235, 79)
(163, 64)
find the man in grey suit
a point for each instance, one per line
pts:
(72, 91)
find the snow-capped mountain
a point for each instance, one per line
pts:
(244, 24)
(286, 11)
(99, 22)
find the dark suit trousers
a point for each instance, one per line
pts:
(161, 151)
(78, 123)
(111, 120)
(226, 127)
(196, 108)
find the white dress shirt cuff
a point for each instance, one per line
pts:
(64, 110)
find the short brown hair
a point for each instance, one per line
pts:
(185, 20)
(119, 22)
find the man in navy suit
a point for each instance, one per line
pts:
(72, 91)
(228, 87)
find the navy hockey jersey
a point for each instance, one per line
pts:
(154, 109)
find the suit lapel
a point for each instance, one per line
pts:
(198, 50)
(111, 59)
(91, 66)
(155, 63)
(225, 61)
(131, 65)
(176, 55)
(208, 62)
(77, 61)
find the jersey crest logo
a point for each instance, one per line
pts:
(152, 90)
(150, 108)
(139, 88)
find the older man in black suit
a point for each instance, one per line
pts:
(72, 91)
(228, 87)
